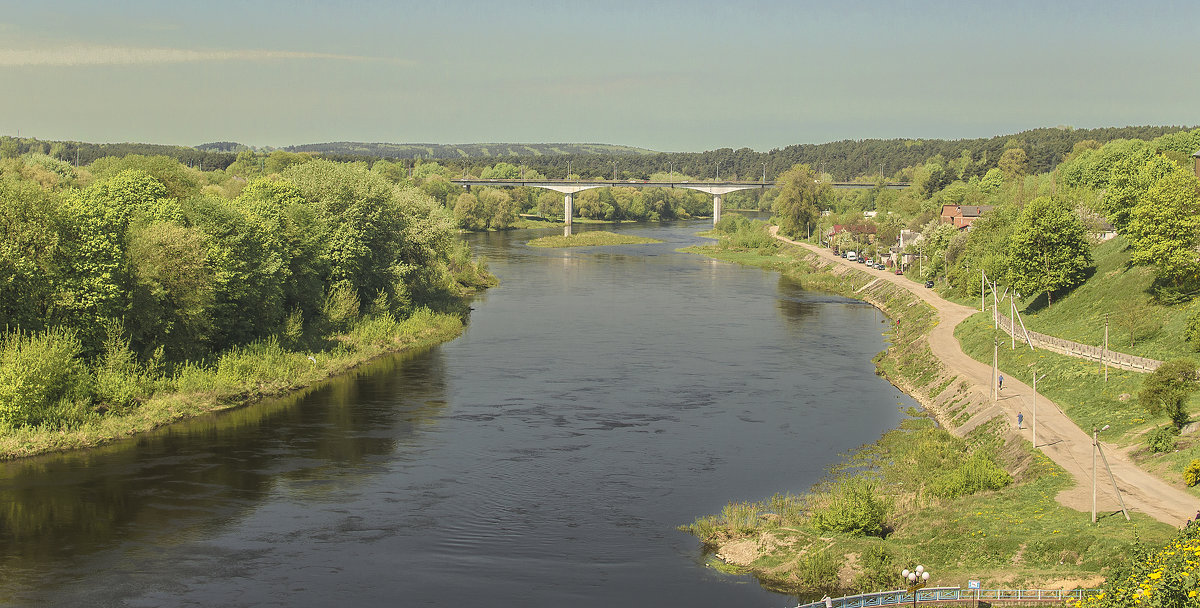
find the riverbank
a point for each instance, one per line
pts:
(237, 379)
(1015, 535)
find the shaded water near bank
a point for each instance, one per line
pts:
(599, 398)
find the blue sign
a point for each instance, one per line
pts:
(972, 584)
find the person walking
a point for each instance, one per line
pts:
(1001, 381)
(1020, 420)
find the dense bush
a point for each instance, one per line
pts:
(851, 506)
(42, 377)
(1191, 475)
(740, 232)
(1162, 439)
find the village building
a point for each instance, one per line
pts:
(961, 216)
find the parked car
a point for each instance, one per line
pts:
(880, 267)
(929, 284)
(850, 255)
(898, 271)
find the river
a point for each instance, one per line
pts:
(598, 399)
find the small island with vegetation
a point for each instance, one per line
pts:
(591, 239)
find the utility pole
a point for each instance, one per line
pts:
(1012, 319)
(995, 362)
(1104, 353)
(1097, 448)
(1035, 381)
(982, 290)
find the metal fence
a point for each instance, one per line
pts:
(953, 594)
(1075, 349)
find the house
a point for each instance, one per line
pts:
(864, 232)
(906, 238)
(961, 216)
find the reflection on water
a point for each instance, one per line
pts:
(214, 469)
(599, 398)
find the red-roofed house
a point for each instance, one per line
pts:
(962, 215)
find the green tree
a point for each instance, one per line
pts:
(501, 171)
(1128, 182)
(1166, 391)
(800, 200)
(469, 212)
(440, 189)
(30, 258)
(499, 209)
(550, 205)
(247, 272)
(178, 181)
(172, 290)
(1048, 249)
(1014, 164)
(1163, 229)
(992, 180)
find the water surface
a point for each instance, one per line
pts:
(598, 399)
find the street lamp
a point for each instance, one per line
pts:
(915, 580)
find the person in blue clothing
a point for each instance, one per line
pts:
(1001, 381)
(1020, 420)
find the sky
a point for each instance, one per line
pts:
(668, 76)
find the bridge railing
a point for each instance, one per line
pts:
(952, 594)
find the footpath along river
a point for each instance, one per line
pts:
(599, 398)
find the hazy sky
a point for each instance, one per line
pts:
(671, 76)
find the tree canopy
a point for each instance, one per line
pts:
(1048, 248)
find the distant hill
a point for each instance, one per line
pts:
(455, 151)
(224, 146)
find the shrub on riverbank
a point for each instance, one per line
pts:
(240, 376)
(736, 231)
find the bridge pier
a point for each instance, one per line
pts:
(716, 209)
(568, 207)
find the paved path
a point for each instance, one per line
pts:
(1058, 437)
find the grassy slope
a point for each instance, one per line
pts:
(1077, 385)
(1118, 289)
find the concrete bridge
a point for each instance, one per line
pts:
(716, 189)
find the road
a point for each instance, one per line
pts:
(1058, 436)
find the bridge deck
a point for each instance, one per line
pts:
(600, 183)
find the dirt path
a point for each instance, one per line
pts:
(1058, 437)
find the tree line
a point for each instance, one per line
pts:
(138, 266)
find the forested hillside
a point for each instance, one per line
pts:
(458, 151)
(841, 160)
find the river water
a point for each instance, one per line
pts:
(598, 399)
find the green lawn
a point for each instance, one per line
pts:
(590, 239)
(1122, 292)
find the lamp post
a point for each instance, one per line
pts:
(915, 580)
